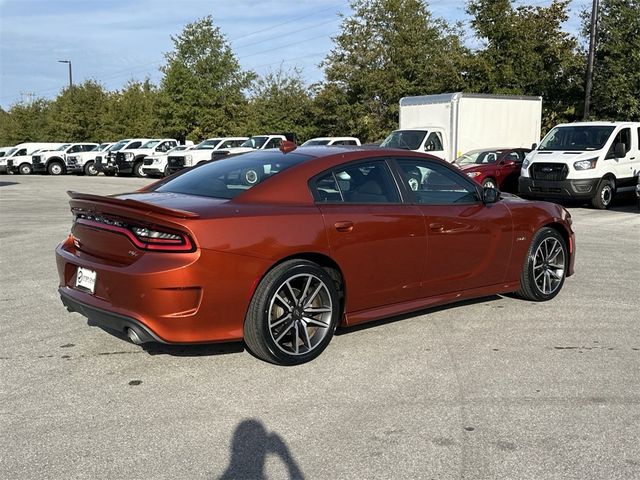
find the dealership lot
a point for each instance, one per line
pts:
(495, 388)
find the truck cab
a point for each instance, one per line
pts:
(53, 162)
(203, 152)
(589, 161)
(106, 162)
(256, 142)
(131, 160)
(85, 162)
(429, 140)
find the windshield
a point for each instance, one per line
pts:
(255, 142)
(150, 144)
(175, 149)
(478, 157)
(576, 138)
(229, 177)
(208, 144)
(117, 146)
(9, 152)
(316, 142)
(62, 147)
(408, 139)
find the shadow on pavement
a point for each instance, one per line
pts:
(250, 446)
(6, 184)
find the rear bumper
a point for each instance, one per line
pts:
(579, 189)
(106, 319)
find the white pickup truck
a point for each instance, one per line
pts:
(257, 142)
(332, 141)
(585, 161)
(158, 165)
(203, 152)
(53, 162)
(85, 162)
(130, 160)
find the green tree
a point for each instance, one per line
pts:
(387, 49)
(616, 82)
(202, 91)
(525, 51)
(131, 112)
(77, 114)
(25, 122)
(280, 102)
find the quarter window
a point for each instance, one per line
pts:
(367, 182)
(434, 184)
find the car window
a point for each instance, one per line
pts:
(273, 143)
(514, 156)
(434, 184)
(433, 142)
(133, 145)
(623, 136)
(364, 182)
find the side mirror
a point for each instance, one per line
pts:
(620, 150)
(534, 146)
(490, 195)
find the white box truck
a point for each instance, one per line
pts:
(450, 124)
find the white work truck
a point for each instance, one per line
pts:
(53, 162)
(130, 160)
(450, 124)
(85, 162)
(589, 161)
(21, 154)
(203, 152)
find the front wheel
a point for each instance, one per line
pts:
(55, 168)
(25, 169)
(489, 183)
(293, 314)
(545, 267)
(90, 169)
(138, 171)
(604, 194)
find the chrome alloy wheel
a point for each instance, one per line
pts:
(300, 314)
(549, 265)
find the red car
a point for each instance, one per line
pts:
(328, 236)
(494, 167)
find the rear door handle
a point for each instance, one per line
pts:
(345, 226)
(436, 227)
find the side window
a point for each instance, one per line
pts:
(273, 143)
(433, 143)
(74, 149)
(88, 148)
(623, 136)
(20, 152)
(368, 182)
(133, 145)
(514, 157)
(434, 184)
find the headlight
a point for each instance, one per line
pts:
(188, 158)
(526, 164)
(473, 174)
(128, 156)
(586, 164)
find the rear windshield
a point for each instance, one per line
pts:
(229, 177)
(576, 138)
(208, 144)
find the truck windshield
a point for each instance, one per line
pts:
(577, 138)
(62, 147)
(255, 142)
(9, 152)
(315, 142)
(117, 146)
(150, 144)
(208, 144)
(408, 139)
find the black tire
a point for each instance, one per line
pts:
(604, 194)
(138, 171)
(537, 273)
(489, 183)
(90, 169)
(166, 171)
(262, 333)
(55, 168)
(25, 169)
(250, 176)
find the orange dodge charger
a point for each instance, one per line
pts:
(279, 247)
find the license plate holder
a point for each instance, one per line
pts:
(86, 279)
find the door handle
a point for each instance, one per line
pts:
(345, 226)
(436, 227)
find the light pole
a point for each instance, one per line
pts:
(593, 30)
(70, 75)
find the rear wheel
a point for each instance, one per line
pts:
(25, 169)
(293, 314)
(55, 168)
(90, 169)
(545, 267)
(604, 194)
(489, 183)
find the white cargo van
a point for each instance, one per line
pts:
(585, 161)
(450, 124)
(23, 150)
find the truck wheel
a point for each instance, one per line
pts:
(489, 183)
(90, 169)
(604, 194)
(55, 168)
(138, 171)
(25, 169)
(545, 266)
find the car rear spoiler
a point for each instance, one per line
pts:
(135, 204)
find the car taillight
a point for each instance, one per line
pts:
(147, 237)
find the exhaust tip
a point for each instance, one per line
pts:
(133, 336)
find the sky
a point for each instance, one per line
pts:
(114, 41)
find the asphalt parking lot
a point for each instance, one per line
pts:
(496, 388)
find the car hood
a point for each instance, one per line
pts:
(561, 156)
(475, 167)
